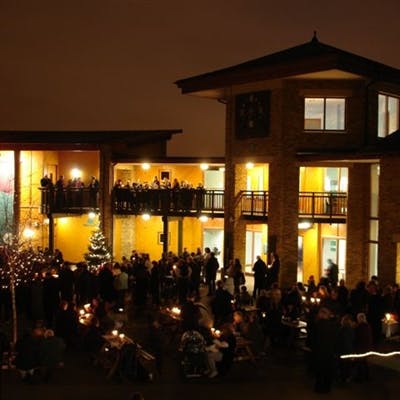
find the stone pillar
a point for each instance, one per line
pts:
(389, 221)
(358, 214)
(283, 216)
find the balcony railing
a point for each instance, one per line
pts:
(313, 205)
(68, 200)
(169, 201)
(329, 206)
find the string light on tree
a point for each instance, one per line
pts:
(99, 252)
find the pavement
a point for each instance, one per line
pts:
(282, 373)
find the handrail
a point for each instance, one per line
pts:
(252, 203)
(255, 203)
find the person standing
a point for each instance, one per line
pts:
(93, 191)
(332, 273)
(211, 267)
(273, 271)
(260, 273)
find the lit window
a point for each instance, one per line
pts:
(388, 115)
(324, 114)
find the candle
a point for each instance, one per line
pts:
(114, 332)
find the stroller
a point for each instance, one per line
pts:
(193, 349)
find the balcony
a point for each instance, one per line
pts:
(182, 202)
(330, 207)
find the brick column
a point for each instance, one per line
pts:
(106, 183)
(358, 213)
(389, 221)
(283, 216)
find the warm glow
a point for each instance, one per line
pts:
(76, 173)
(46, 221)
(203, 218)
(204, 167)
(222, 169)
(91, 215)
(249, 165)
(28, 233)
(305, 225)
(114, 332)
(146, 216)
(146, 166)
(176, 310)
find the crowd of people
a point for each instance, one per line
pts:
(69, 193)
(158, 194)
(339, 320)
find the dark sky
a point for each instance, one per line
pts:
(111, 64)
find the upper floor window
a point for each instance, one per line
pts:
(324, 114)
(388, 115)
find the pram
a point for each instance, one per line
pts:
(193, 350)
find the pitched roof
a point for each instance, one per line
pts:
(309, 57)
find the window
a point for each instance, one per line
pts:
(324, 114)
(388, 115)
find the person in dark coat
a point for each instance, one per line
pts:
(28, 353)
(211, 267)
(221, 305)
(66, 280)
(324, 350)
(106, 284)
(363, 343)
(260, 274)
(51, 354)
(273, 271)
(51, 297)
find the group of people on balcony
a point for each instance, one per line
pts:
(69, 194)
(158, 195)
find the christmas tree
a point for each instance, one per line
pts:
(99, 252)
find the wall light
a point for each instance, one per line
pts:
(76, 173)
(146, 166)
(249, 165)
(305, 225)
(204, 166)
(203, 218)
(146, 216)
(91, 215)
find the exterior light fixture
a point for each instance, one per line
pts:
(146, 166)
(203, 218)
(305, 225)
(76, 173)
(146, 216)
(204, 166)
(249, 165)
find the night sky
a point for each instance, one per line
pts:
(111, 64)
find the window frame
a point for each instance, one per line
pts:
(385, 131)
(323, 128)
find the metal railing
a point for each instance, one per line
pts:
(253, 204)
(168, 201)
(311, 204)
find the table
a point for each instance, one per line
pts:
(115, 348)
(390, 328)
(295, 328)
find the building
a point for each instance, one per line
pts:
(320, 128)
(64, 215)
